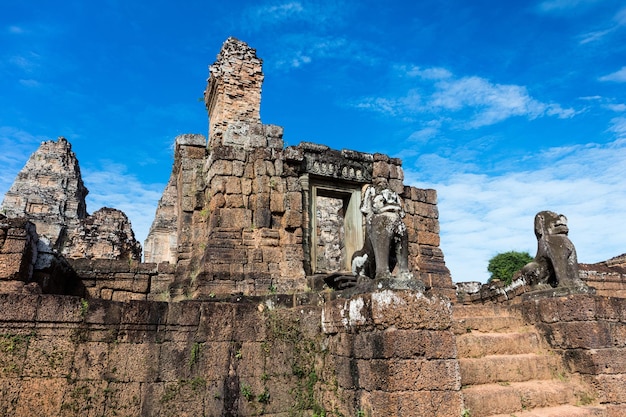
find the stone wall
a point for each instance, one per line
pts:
(49, 190)
(50, 193)
(233, 92)
(393, 354)
(608, 278)
(27, 265)
(590, 333)
(239, 215)
(119, 280)
(18, 249)
(388, 353)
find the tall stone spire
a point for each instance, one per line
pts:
(49, 190)
(233, 92)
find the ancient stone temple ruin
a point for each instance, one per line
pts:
(286, 281)
(285, 215)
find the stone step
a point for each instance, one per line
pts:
(560, 411)
(478, 344)
(482, 310)
(509, 368)
(517, 397)
(487, 324)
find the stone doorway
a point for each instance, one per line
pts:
(336, 226)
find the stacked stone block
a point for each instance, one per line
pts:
(18, 249)
(254, 221)
(67, 356)
(119, 280)
(49, 190)
(589, 331)
(233, 92)
(241, 208)
(608, 278)
(393, 354)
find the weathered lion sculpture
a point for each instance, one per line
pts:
(386, 239)
(556, 263)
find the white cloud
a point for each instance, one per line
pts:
(620, 107)
(594, 36)
(618, 21)
(316, 14)
(562, 5)
(27, 62)
(379, 105)
(472, 101)
(110, 185)
(483, 215)
(434, 73)
(620, 17)
(424, 134)
(618, 126)
(277, 12)
(617, 76)
(492, 103)
(296, 51)
(17, 30)
(30, 83)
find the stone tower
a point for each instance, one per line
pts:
(49, 190)
(242, 214)
(233, 93)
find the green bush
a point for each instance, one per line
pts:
(504, 265)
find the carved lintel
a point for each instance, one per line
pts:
(337, 167)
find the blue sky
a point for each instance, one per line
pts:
(505, 108)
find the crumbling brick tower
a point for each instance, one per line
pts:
(246, 215)
(233, 93)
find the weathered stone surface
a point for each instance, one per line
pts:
(18, 249)
(162, 240)
(233, 93)
(106, 234)
(556, 263)
(49, 192)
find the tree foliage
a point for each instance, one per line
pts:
(504, 265)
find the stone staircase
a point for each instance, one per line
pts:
(507, 369)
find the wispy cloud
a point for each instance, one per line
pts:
(30, 83)
(563, 5)
(16, 30)
(278, 12)
(491, 103)
(594, 36)
(618, 126)
(297, 50)
(474, 101)
(111, 185)
(26, 62)
(483, 215)
(317, 14)
(619, 107)
(618, 21)
(617, 76)
(300, 51)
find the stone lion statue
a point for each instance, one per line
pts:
(386, 240)
(556, 263)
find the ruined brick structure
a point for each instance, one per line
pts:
(225, 316)
(241, 214)
(49, 192)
